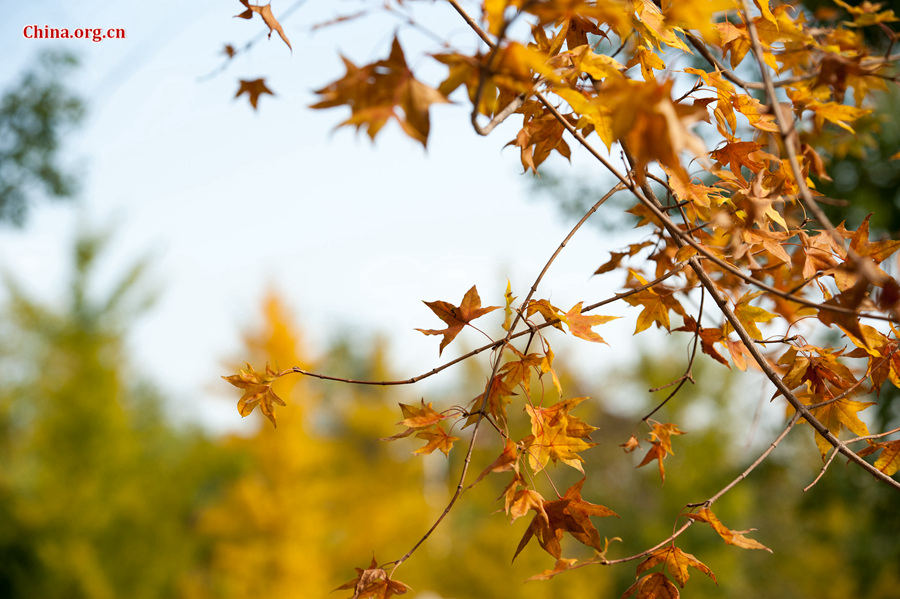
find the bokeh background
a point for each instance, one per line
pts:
(155, 233)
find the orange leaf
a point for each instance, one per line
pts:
(456, 317)
(570, 514)
(581, 325)
(373, 583)
(732, 537)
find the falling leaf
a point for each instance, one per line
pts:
(456, 317)
(254, 88)
(268, 18)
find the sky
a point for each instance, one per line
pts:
(229, 202)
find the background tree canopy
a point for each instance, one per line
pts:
(36, 112)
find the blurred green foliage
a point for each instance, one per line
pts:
(102, 496)
(36, 111)
(97, 488)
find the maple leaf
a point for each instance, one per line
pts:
(557, 435)
(660, 445)
(709, 336)
(258, 391)
(851, 299)
(889, 460)
(437, 438)
(836, 415)
(749, 315)
(676, 562)
(630, 445)
(550, 312)
(508, 311)
(417, 418)
(696, 15)
(420, 416)
(254, 88)
(506, 461)
(373, 583)
(522, 502)
(561, 566)
(373, 93)
(498, 395)
(265, 12)
(651, 125)
(570, 514)
(652, 586)
(732, 537)
(657, 302)
(581, 325)
(456, 317)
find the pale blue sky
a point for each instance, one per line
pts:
(230, 201)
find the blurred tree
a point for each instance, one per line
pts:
(295, 519)
(97, 489)
(35, 111)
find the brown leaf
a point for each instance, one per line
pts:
(570, 514)
(732, 537)
(653, 586)
(373, 583)
(660, 445)
(456, 317)
(265, 12)
(374, 92)
(254, 88)
(506, 461)
(677, 563)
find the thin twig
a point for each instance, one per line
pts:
(460, 486)
(496, 344)
(705, 503)
(825, 466)
(687, 376)
(251, 42)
